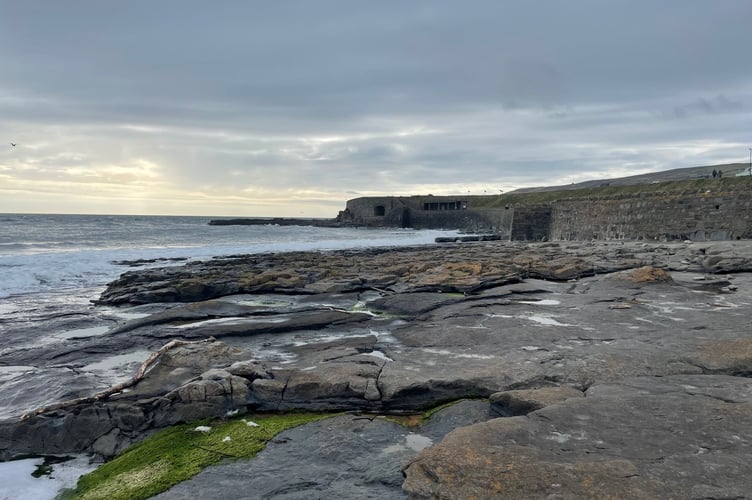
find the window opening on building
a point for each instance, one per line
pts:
(445, 205)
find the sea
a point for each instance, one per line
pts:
(55, 253)
(51, 265)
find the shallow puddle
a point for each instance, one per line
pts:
(274, 356)
(256, 301)
(547, 321)
(231, 321)
(117, 361)
(457, 354)
(417, 442)
(130, 315)
(16, 480)
(414, 442)
(324, 339)
(543, 302)
(82, 333)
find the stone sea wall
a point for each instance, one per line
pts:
(697, 217)
(496, 221)
(707, 212)
(531, 223)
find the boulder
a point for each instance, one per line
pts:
(726, 257)
(212, 394)
(645, 274)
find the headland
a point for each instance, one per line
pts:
(676, 205)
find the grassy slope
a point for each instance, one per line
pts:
(715, 186)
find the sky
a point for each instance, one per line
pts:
(290, 108)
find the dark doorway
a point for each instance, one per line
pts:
(379, 210)
(406, 222)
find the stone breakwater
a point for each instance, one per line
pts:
(277, 221)
(605, 369)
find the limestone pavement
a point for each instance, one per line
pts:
(606, 369)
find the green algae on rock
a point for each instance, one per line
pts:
(180, 452)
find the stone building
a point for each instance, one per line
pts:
(428, 212)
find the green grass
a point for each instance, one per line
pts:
(178, 453)
(669, 188)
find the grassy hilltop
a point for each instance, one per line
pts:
(678, 181)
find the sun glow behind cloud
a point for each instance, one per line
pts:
(270, 114)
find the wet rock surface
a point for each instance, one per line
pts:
(657, 333)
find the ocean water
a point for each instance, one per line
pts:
(55, 253)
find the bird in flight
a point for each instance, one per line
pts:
(13, 144)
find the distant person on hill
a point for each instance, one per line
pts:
(715, 173)
(720, 174)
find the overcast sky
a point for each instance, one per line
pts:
(261, 108)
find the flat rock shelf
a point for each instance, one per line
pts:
(598, 369)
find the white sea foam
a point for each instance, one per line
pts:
(81, 333)
(378, 354)
(7, 308)
(16, 369)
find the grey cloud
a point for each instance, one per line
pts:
(702, 105)
(242, 92)
(334, 57)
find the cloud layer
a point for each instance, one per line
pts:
(289, 108)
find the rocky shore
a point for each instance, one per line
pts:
(596, 369)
